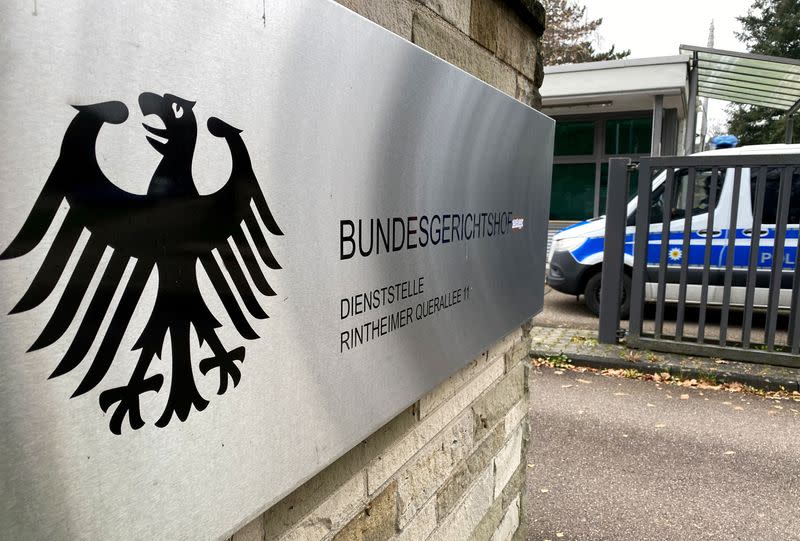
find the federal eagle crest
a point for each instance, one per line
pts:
(167, 231)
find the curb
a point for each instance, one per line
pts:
(722, 375)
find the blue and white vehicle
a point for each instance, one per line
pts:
(576, 255)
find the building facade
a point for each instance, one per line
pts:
(618, 108)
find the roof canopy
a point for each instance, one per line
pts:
(769, 81)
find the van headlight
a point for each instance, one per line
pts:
(567, 245)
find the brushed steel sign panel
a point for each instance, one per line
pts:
(235, 240)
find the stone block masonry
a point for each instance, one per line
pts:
(494, 40)
(450, 467)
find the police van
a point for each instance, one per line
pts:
(576, 254)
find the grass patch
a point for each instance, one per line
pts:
(556, 361)
(632, 373)
(632, 356)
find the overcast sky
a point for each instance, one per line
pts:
(658, 28)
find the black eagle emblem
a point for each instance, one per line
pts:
(168, 230)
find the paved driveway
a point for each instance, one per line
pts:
(618, 459)
(561, 310)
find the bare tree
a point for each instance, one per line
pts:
(568, 37)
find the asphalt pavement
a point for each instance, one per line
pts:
(619, 459)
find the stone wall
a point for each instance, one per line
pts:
(494, 40)
(450, 466)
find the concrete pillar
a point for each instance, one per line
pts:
(658, 117)
(691, 109)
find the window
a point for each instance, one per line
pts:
(628, 136)
(583, 146)
(772, 195)
(700, 198)
(574, 138)
(632, 187)
(573, 191)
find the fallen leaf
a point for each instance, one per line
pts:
(738, 408)
(720, 361)
(558, 372)
(531, 465)
(665, 376)
(684, 397)
(778, 407)
(583, 381)
(729, 453)
(544, 490)
(559, 534)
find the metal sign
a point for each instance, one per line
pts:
(236, 240)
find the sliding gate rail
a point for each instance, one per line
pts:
(721, 245)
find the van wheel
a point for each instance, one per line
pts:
(591, 295)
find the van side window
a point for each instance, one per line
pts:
(772, 194)
(700, 198)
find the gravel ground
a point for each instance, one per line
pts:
(616, 459)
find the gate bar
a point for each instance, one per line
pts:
(666, 215)
(794, 317)
(777, 257)
(641, 241)
(613, 250)
(712, 209)
(774, 358)
(729, 259)
(687, 237)
(755, 243)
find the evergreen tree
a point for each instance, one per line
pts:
(568, 36)
(771, 27)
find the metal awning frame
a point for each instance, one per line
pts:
(766, 81)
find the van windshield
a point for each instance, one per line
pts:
(700, 199)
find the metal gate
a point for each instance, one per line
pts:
(732, 224)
